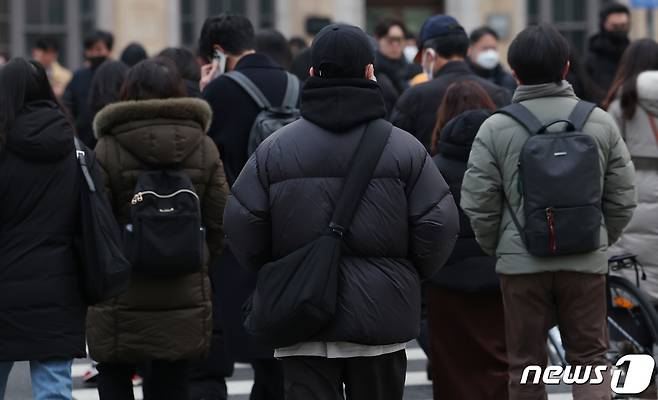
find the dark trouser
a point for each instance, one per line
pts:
(162, 380)
(365, 378)
(577, 301)
(467, 343)
(268, 380)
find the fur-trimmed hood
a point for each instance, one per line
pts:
(158, 132)
(185, 108)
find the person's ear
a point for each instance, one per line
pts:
(566, 69)
(311, 72)
(218, 47)
(370, 71)
(516, 78)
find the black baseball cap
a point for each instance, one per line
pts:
(341, 51)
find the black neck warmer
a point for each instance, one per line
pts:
(341, 104)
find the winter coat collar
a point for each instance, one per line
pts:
(341, 104)
(158, 132)
(529, 92)
(459, 67)
(256, 60)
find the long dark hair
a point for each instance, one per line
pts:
(22, 82)
(640, 56)
(460, 96)
(156, 78)
(106, 84)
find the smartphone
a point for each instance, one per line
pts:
(219, 59)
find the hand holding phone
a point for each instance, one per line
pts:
(211, 71)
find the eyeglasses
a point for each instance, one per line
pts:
(394, 39)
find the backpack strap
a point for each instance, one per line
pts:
(292, 92)
(523, 116)
(360, 172)
(248, 86)
(580, 114)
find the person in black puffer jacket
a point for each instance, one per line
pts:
(402, 232)
(42, 313)
(466, 291)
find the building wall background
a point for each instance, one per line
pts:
(160, 23)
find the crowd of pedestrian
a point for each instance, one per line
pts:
(313, 208)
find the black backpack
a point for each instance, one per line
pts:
(270, 118)
(296, 296)
(104, 271)
(560, 182)
(166, 236)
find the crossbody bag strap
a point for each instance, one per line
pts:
(248, 86)
(81, 155)
(362, 167)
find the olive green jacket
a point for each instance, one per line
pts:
(158, 318)
(493, 174)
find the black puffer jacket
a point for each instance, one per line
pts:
(468, 269)
(42, 315)
(403, 231)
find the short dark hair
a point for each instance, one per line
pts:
(538, 55)
(385, 24)
(185, 62)
(233, 32)
(156, 78)
(133, 53)
(482, 31)
(453, 44)
(47, 44)
(612, 8)
(98, 36)
(272, 43)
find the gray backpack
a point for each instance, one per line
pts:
(270, 118)
(560, 181)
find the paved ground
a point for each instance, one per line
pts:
(417, 385)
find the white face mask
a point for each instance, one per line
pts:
(427, 62)
(410, 53)
(488, 59)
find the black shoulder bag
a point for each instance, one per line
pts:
(105, 272)
(296, 296)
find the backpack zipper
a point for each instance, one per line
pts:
(139, 196)
(550, 219)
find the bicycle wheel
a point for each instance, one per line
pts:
(632, 320)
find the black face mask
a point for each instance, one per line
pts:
(617, 36)
(95, 62)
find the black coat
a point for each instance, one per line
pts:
(602, 59)
(416, 110)
(234, 111)
(497, 76)
(468, 269)
(42, 314)
(403, 231)
(76, 99)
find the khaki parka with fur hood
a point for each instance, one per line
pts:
(164, 319)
